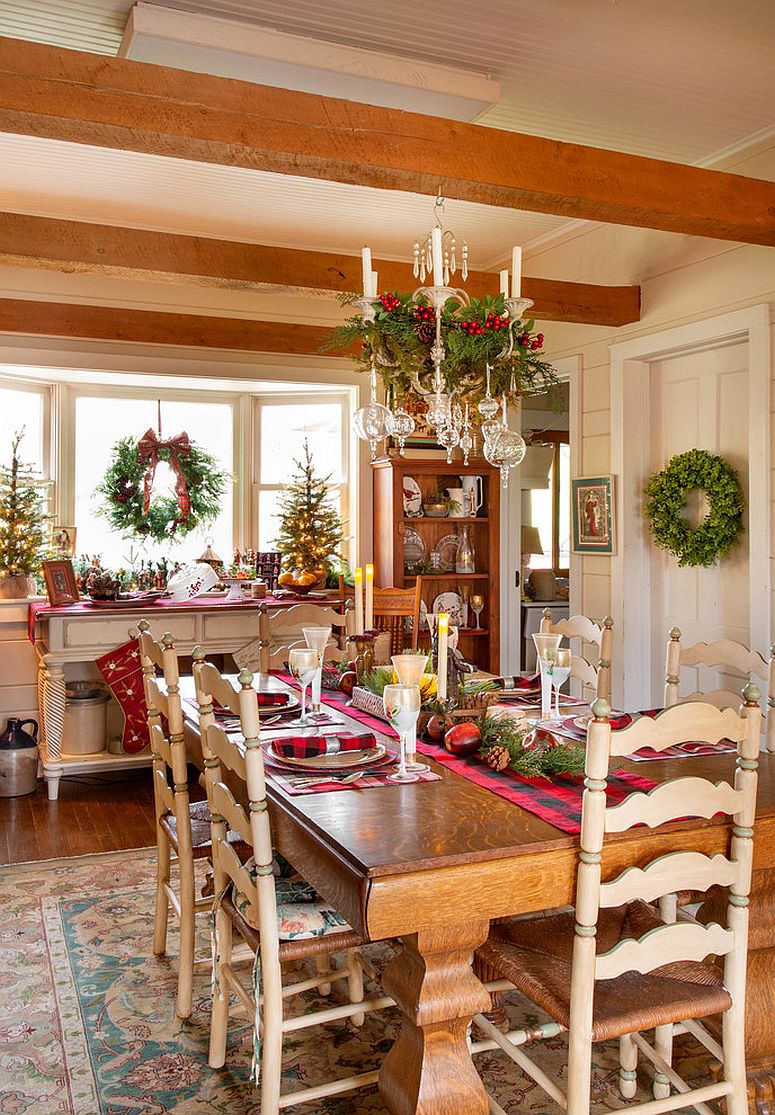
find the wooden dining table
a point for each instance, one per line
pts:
(432, 863)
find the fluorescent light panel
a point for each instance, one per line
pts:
(232, 48)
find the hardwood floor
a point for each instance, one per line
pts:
(94, 813)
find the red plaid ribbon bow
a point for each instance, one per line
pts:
(148, 451)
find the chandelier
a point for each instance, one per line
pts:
(403, 337)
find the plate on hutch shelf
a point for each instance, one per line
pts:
(129, 600)
(447, 548)
(414, 550)
(452, 604)
(412, 497)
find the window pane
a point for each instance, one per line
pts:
(284, 429)
(541, 517)
(22, 410)
(268, 519)
(564, 497)
(99, 424)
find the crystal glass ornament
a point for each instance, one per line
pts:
(448, 437)
(491, 427)
(505, 450)
(488, 406)
(403, 427)
(373, 423)
(439, 410)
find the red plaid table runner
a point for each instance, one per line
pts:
(305, 747)
(557, 801)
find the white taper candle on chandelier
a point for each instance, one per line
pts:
(505, 282)
(438, 257)
(358, 578)
(366, 268)
(443, 631)
(369, 597)
(516, 272)
(374, 278)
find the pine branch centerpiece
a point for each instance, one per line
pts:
(22, 519)
(506, 745)
(310, 528)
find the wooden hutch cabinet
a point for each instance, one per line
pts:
(397, 563)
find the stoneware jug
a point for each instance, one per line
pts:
(18, 759)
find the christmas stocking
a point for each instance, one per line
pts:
(123, 672)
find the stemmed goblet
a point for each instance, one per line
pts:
(546, 649)
(477, 607)
(303, 663)
(402, 708)
(410, 669)
(560, 674)
(317, 638)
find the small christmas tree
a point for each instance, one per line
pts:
(310, 528)
(21, 516)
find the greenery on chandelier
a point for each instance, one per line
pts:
(402, 333)
(310, 528)
(197, 499)
(665, 496)
(22, 539)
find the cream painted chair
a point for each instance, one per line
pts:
(729, 657)
(613, 967)
(596, 677)
(182, 826)
(280, 917)
(282, 629)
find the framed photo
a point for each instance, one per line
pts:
(593, 515)
(63, 541)
(60, 581)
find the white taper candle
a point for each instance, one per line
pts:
(358, 577)
(516, 272)
(443, 630)
(505, 282)
(366, 268)
(369, 597)
(438, 257)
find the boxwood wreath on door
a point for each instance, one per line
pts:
(666, 493)
(130, 505)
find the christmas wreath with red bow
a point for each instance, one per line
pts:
(130, 504)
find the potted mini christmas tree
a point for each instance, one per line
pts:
(21, 525)
(310, 528)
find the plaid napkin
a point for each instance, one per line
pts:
(303, 747)
(517, 681)
(265, 700)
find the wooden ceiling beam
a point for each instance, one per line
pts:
(115, 103)
(73, 246)
(150, 327)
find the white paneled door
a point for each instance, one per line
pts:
(700, 400)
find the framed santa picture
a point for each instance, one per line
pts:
(594, 527)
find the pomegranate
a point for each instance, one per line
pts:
(437, 726)
(463, 740)
(347, 682)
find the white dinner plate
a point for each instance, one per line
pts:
(452, 604)
(447, 548)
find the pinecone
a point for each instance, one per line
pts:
(103, 586)
(498, 758)
(426, 331)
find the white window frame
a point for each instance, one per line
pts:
(349, 461)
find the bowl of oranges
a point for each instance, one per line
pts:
(299, 581)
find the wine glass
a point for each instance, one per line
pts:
(410, 669)
(317, 638)
(402, 708)
(477, 607)
(303, 663)
(546, 649)
(560, 674)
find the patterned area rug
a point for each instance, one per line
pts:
(88, 1025)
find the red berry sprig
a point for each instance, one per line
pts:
(425, 313)
(493, 322)
(389, 301)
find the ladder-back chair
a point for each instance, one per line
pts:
(282, 630)
(596, 677)
(392, 607)
(275, 911)
(182, 826)
(729, 657)
(613, 967)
